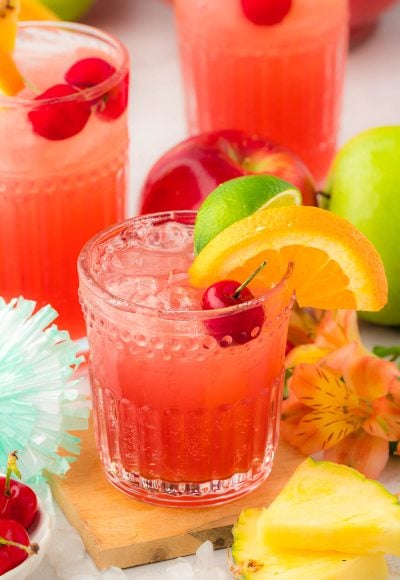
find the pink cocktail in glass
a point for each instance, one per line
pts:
(63, 163)
(281, 81)
(182, 417)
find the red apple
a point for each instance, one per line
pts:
(184, 176)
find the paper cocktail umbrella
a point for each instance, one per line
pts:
(39, 403)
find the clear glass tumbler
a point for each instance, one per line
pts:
(283, 82)
(63, 162)
(183, 415)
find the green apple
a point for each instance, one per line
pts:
(364, 187)
(69, 9)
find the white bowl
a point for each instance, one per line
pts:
(41, 534)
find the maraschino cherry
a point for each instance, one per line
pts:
(89, 72)
(266, 12)
(115, 101)
(59, 118)
(15, 546)
(237, 328)
(17, 501)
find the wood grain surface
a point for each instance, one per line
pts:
(120, 531)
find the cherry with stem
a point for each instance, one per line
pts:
(17, 500)
(15, 545)
(237, 327)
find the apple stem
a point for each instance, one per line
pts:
(31, 549)
(248, 280)
(12, 467)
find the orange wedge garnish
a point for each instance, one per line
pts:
(9, 10)
(335, 266)
(35, 10)
(11, 82)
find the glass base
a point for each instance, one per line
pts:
(204, 494)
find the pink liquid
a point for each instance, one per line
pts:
(283, 82)
(55, 195)
(180, 419)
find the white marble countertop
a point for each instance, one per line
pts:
(372, 97)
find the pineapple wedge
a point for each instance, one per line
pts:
(256, 560)
(9, 10)
(326, 506)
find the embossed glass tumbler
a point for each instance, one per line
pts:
(183, 416)
(63, 160)
(283, 80)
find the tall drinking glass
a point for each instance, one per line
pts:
(183, 417)
(283, 81)
(63, 162)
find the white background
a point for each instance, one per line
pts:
(372, 97)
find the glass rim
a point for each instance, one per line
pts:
(88, 93)
(86, 276)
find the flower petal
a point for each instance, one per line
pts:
(306, 353)
(337, 360)
(320, 388)
(292, 413)
(322, 430)
(337, 328)
(385, 420)
(359, 450)
(303, 325)
(370, 376)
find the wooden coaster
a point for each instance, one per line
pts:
(120, 531)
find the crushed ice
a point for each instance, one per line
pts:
(66, 559)
(204, 567)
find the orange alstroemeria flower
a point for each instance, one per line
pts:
(346, 405)
(333, 331)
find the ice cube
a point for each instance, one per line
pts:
(180, 571)
(179, 298)
(170, 236)
(136, 289)
(113, 574)
(77, 570)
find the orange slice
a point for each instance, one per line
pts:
(9, 10)
(35, 10)
(335, 266)
(11, 82)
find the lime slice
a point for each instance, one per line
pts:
(238, 198)
(289, 197)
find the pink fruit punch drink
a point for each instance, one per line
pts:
(63, 160)
(269, 67)
(184, 416)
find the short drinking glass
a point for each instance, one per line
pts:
(183, 416)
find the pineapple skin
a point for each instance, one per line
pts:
(333, 507)
(256, 560)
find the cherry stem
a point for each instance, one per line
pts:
(12, 467)
(248, 280)
(28, 83)
(31, 549)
